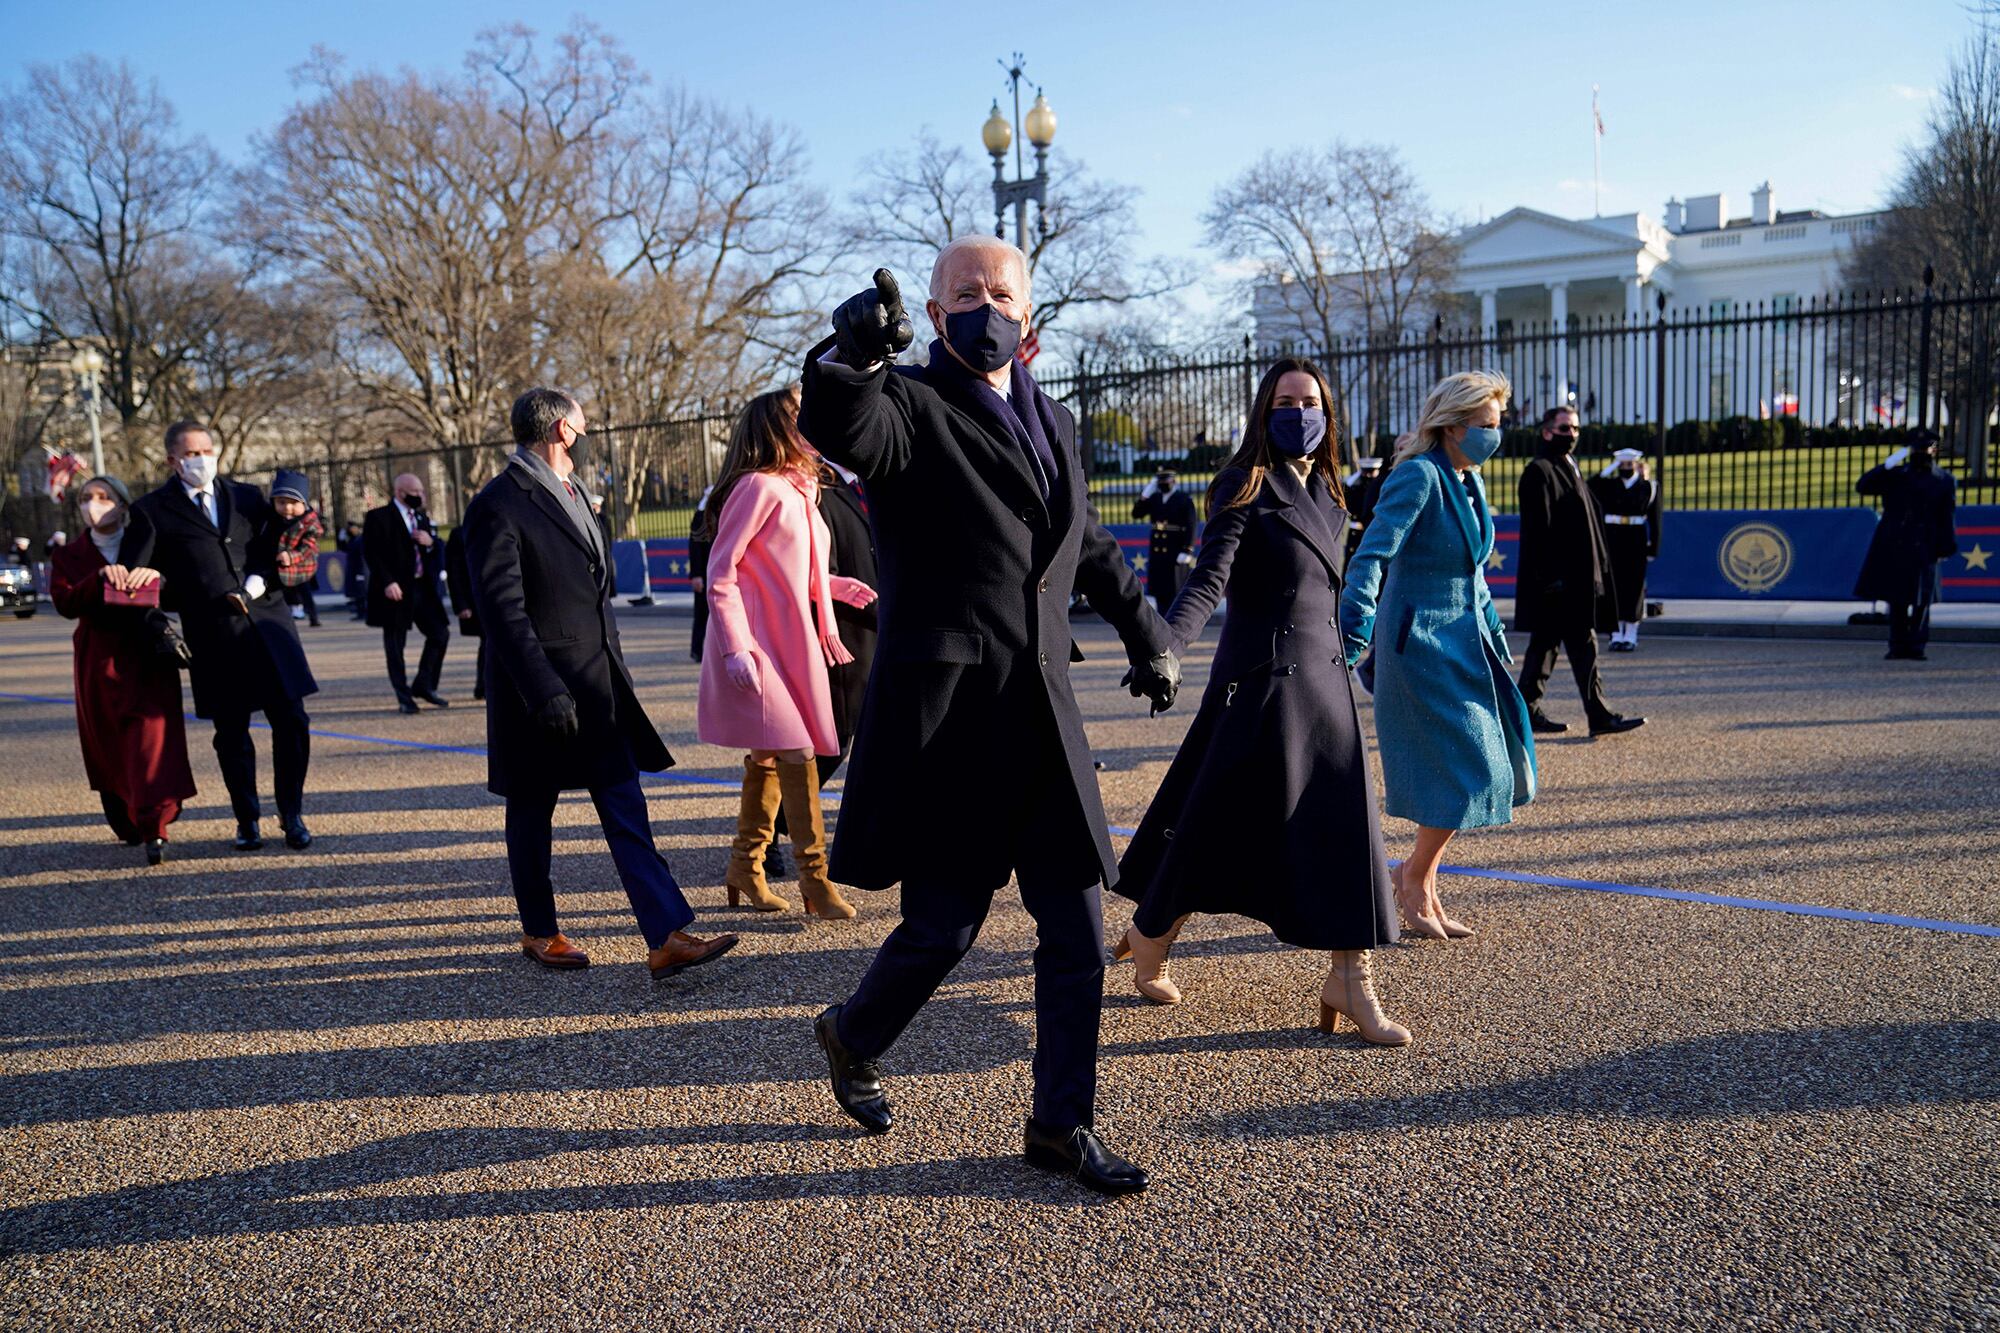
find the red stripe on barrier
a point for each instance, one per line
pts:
(1972, 583)
(1977, 532)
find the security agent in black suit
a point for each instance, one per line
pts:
(971, 762)
(458, 581)
(1171, 512)
(1563, 587)
(405, 589)
(561, 712)
(215, 545)
(1916, 531)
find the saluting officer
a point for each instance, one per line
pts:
(1172, 515)
(1628, 501)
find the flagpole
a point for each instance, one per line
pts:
(1596, 157)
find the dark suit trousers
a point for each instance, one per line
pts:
(1909, 626)
(1579, 640)
(291, 752)
(621, 810)
(430, 620)
(699, 636)
(941, 919)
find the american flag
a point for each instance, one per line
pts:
(1030, 348)
(1595, 114)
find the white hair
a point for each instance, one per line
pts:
(979, 242)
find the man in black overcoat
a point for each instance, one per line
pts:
(1916, 531)
(561, 713)
(406, 590)
(1563, 588)
(1171, 512)
(701, 541)
(971, 762)
(216, 547)
(1363, 486)
(458, 582)
(1628, 504)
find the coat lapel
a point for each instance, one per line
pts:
(1292, 505)
(549, 505)
(1003, 462)
(1458, 502)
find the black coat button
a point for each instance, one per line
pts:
(1043, 586)
(1291, 670)
(1044, 657)
(1333, 622)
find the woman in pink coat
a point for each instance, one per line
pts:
(771, 638)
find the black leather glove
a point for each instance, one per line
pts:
(1156, 678)
(172, 646)
(872, 326)
(558, 718)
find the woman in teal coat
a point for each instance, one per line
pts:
(1457, 750)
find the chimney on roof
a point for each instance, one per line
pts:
(1707, 212)
(1760, 205)
(1676, 219)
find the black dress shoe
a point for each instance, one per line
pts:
(775, 866)
(406, 705)
(1611, 726)
(1081, 1154)
(248, 839)
(156, 851)
(434, 699)
(1544, 725)
(857, 1083)
(297, 836)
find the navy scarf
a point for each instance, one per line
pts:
(1030, 430)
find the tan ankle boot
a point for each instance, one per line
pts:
(1149, 962)
(1350, 992)
(799, 784)
(754, 821)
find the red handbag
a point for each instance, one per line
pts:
(148, 596)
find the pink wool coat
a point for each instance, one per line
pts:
(767, 574)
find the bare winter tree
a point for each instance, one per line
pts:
(911, 203)
(1343, 240)
(110, 216)
(1945, 214)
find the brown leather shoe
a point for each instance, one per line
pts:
(554, 951)
(683, 951)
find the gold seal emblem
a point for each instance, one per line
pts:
(1755, 556)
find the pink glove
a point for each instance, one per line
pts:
(742, 668)
(850, 592)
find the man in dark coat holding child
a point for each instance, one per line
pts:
(983, 531)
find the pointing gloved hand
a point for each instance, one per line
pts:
(872, 326)
(1156, 678)
(558, 718)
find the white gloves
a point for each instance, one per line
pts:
(1898, 458)
(253, 587)
(1184, 558)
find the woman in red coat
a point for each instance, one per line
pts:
(128, 687)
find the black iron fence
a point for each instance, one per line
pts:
(1770, 406)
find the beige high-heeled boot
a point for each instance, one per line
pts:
(1349, 993)
(799, 788)
(755, 819)
(1414, 905)
(1149, 962)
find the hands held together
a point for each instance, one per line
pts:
(1157, 679)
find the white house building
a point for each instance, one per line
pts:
(1527, 272)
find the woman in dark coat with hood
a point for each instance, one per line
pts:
(1268, 810)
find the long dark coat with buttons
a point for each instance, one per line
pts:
(241, 663)
(1916, 532)
(1563, 579)
(1268, 811)
(969, 715)
(544, 604)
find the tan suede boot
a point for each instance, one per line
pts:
(755, 819)
(1350, 992)
(799, 786)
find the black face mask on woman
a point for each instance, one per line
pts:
(1295, 431)
(984, 338)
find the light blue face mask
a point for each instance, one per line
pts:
(1480, 443)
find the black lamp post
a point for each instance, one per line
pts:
(998, 136)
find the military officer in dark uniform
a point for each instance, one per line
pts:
(1362, 485)
(1628, 500)
(1168, 560)
(1916, 532)
(1563, 591)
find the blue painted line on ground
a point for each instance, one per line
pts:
(1473, 872)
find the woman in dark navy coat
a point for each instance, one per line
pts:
(1268, 810)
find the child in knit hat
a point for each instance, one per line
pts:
(298, 542)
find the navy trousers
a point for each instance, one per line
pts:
(291, 753)
(621, 808)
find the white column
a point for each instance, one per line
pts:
(1489, 318)
(1636, 389)
(1559, 325)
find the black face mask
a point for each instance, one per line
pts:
(414, 503)
(1563, 444)
(1166, 487)
(1922, 460)
(984, 338)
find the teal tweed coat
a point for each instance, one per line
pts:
(1457, 750)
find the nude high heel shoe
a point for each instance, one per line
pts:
(1416, 919)
(1349, 992)
(1149, 963)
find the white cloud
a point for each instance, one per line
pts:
(1909, 94)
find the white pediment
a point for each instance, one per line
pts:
(1524, 236)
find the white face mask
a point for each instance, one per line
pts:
(96, 511)
(197, 470)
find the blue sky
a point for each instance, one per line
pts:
(1490, 103)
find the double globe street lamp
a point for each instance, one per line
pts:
(87, 365)
(999, 136)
